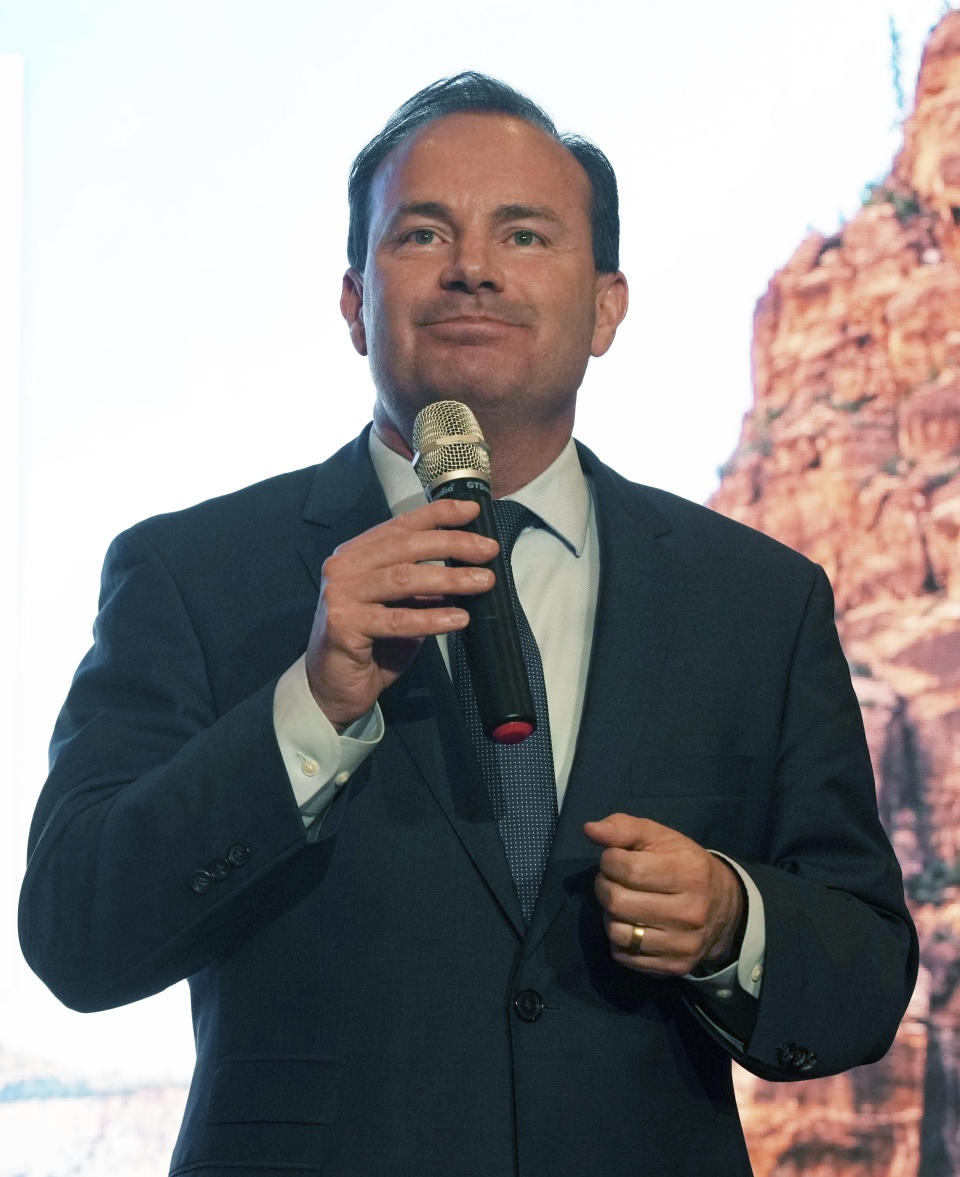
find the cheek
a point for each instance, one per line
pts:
(571, 299)
(576, 321)
(382, 320)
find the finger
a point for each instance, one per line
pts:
(638, 907)
(444, 515)
(633, 939)
(372, 623)
(683, 923)
(397, 545)
(404, 552)
(444, 512)
(651, 949)
(650, 954)
(645, 870)
(405, 582)
(623, 830)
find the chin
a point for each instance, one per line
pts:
(479, 393)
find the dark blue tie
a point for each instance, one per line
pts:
(519, 777)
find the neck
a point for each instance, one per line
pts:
(519, 453)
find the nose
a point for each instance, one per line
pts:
(472, 265)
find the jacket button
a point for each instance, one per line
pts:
(528, 1005)
(238, 854)
(201, 882)
(807, 1061)
(219, 868)
(799, 1058)
(786, 1054)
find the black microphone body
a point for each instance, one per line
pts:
(491, 640)
(452, 460)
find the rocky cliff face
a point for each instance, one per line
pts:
(851, 454)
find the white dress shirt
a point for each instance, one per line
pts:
(556, 571)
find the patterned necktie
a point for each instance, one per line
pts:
(520, 777)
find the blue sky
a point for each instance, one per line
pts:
(183, 241)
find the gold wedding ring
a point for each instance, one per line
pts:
(636, 940)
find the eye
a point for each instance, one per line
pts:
(421, 236)
(524, 237)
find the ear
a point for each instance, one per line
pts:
(611, 306)
(351, 307)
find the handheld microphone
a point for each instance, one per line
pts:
(452, 460)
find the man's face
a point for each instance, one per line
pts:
(480, 284)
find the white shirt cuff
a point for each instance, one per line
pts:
(747, 969)
(319, 762)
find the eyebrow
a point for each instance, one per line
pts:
(526, 212)
(505, 212)
(423, 208)
(432, 209)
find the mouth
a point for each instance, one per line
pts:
(471, 331)
(486, 314)
(471, 321)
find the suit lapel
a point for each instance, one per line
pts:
(345, 499)
(636, 614)
(423, 719)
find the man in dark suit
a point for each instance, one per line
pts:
(280, 799)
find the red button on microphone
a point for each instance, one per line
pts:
(512, 732)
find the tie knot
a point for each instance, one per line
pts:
(511, 519)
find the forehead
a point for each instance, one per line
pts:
(472, 158)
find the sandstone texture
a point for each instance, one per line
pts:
(851, 454)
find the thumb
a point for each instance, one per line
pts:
(621, 830)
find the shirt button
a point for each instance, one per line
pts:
(341, 778)
(309, 767)
(757, 972)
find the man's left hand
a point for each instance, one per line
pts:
(689, 903)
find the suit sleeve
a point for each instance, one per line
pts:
(841, 950)
(162, 824)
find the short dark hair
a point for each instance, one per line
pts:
(472, 91)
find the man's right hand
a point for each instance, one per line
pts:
(379, 600)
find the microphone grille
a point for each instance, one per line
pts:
(446, 438)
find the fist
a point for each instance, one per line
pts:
(689, 903)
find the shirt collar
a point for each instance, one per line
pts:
(560, 495)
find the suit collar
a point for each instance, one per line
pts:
(347, 484)
(342, 483)
(559, 495)
(616, 493)
(344, 500)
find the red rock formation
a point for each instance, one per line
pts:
(851, 453)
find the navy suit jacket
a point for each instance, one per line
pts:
(368, 1002)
